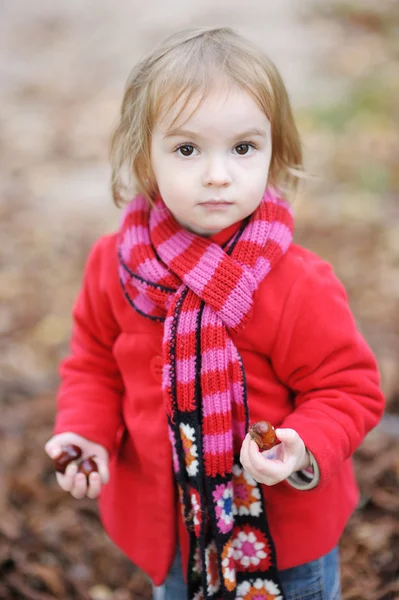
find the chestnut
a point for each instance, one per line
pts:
(87, 466)
(264, 435)
(69, 453)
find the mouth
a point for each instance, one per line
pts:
(214, 202)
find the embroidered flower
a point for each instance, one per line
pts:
(251, 549)
(260, 589)
(190, 448)
(247, 499)
(228, 569)
(223, 498)
(196, 510)
(174, 454)
(212, 574)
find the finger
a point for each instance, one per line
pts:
(66, 481)
(244, 459)
(52, 449)
(252, 464)
(269, 471)
(79, 488)
(255, 458)
(266, 471)
(293, 446)
(288, 437)
(94, 487)
(251, 454)
(273, 453)
(103, 469)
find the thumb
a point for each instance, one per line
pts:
(56, 443)
(289, 437)
(52, 448)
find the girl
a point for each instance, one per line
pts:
(200, 316)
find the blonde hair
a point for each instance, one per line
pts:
(189, 63)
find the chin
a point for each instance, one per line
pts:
(204, 231)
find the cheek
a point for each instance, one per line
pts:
(256, 181)
(175, 190)
(262, 175)
(255, 169)
(175, 176)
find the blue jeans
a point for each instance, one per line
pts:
(316, 580)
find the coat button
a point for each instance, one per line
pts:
(156, 367)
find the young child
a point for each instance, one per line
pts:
(201, 317)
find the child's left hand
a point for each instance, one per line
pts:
(275, 465)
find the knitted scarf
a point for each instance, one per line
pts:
(202, 292)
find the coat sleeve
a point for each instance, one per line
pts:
(320, 355)
(91, 388)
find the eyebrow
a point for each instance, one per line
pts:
(191, 134)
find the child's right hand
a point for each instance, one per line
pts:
(72, 481)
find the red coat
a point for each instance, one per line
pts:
(307, 367)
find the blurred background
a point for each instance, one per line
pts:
(63, 69)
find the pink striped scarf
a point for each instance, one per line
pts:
(202, 292)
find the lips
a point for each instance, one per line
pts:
(216, 205)
(216, 202)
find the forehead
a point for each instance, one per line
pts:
(222, 107)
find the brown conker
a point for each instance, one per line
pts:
(87, 466)
(68, 453)
(264, 435)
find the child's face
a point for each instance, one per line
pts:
(212, 170)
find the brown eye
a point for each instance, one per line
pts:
(242, 149)
(186, 150)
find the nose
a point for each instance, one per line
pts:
(216, 173)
